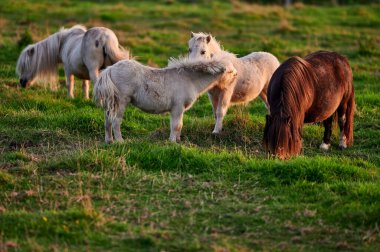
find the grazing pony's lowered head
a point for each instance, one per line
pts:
(202, 45)
(288, 95)
(40, 60)
(26, 66)
(281, 137)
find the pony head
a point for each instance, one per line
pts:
(26, 66)
(202, 45)
(281, 137)
(39, 60)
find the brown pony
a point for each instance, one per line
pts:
(312, 89)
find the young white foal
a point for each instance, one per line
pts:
(253, 75)
(172, 89)
(82, 52)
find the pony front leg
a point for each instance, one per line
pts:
(108, 128)
(70, 84)
(325, 145)
(213, 95)
(176, 125)
(86, 89)
(223, 104)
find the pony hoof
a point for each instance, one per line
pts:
(216, 133)
(324, 147)
(109, 141)
(173, 140)
(342, 146)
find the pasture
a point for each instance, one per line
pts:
(62, 188)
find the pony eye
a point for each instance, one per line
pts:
(189, 50)
(203, 52)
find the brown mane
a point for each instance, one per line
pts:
(304, 90)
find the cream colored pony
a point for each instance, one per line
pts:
(82, 52)
(172, 89)
(253, 74)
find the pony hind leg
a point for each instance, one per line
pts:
(263, 96)
(69, 84)
(86, 89)
(325, 145)
(342, 137)
(345, 121)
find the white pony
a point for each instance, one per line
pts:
(82, 52)
(172, 89)
(253, 75)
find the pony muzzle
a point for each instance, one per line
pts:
(25, 83)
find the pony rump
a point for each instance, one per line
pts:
(106, 94)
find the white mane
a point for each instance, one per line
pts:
(202, 65)
(82, 27)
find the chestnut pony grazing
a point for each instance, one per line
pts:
(312, 89)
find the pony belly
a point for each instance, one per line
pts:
(151, 107)
(82, 75)
(244, 95)
(319, 114)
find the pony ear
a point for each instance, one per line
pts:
(31, 51)
(208, 39)
(192, 34)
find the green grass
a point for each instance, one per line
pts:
(61, 188)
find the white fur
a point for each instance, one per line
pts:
(324, 146)
(172, 89)
(82, 52)
(254, 73)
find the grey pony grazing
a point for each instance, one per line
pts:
(82, 52)
(254, 72)
(172, 89)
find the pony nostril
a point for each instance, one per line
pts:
(203, 52)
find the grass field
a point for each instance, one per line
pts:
(61, 188)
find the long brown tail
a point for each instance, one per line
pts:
(349, 125)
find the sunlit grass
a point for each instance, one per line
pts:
(62, 188)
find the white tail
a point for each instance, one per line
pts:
(114, 52)
(106, 94)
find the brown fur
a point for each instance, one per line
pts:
(308, 90)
